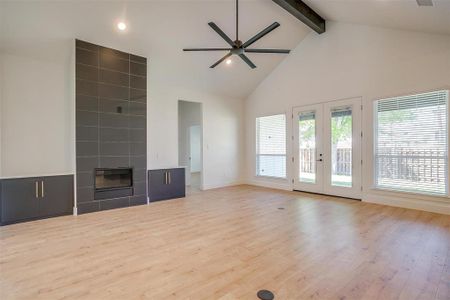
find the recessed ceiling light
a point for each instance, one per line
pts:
(228, 61)
(121, 26)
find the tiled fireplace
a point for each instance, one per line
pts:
(111, 137)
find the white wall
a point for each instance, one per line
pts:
(345, 62)
(36, 116)
(1, 103)
(223, 137)
(37, 121)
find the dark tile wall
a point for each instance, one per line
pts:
(111, 118)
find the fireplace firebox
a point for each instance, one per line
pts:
(113, 182)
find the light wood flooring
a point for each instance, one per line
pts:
(227, 244)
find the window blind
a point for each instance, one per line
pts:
(271, 146)
(411, 147)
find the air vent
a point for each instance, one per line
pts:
(424, 2)
(265, 295)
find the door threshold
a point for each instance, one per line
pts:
(358, 199)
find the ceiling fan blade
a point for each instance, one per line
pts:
(261, 34)
(207, 49)
(247, 60)
(221, 33)
(281, 51)
(221, 60)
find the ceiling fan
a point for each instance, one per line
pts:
(237, 47)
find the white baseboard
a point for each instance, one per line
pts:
(221, 185)
(425, 205)
(441, 207)
(269, 184)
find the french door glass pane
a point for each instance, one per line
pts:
(307, 147)
(341, 147)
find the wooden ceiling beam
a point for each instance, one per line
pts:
(304, 13)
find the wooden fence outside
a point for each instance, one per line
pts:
(414, 165)
(392, 163)
(343, 160)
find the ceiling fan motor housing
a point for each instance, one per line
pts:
(237, 51)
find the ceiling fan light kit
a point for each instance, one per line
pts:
(237, 47)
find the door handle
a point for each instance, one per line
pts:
(165, 177)
(318, 159)
(36, 189)
(170, 179)
(42, 188)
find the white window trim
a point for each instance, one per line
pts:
(415, 195)
(255, 142)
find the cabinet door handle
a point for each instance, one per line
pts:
(170, 179)
(165, 177)
(36, 189)
(42, 188)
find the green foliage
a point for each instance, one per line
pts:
(307, 129)
(341, 128)
(395, 116)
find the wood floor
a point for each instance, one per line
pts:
(227, 244)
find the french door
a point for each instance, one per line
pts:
(327, 148)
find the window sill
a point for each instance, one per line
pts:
(414, 195)
(271, 177)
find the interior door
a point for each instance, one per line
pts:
(327, 148)
(195, 148)
(308, 154)
(189, 156)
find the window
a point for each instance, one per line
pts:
(411, 147)
(271, 146)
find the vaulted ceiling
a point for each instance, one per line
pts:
(160, 29)
(397, 14)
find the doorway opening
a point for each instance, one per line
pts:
(190, 137)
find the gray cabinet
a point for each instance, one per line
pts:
(57, 196)
(20, 199)
(24, 199)
(166, 184)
